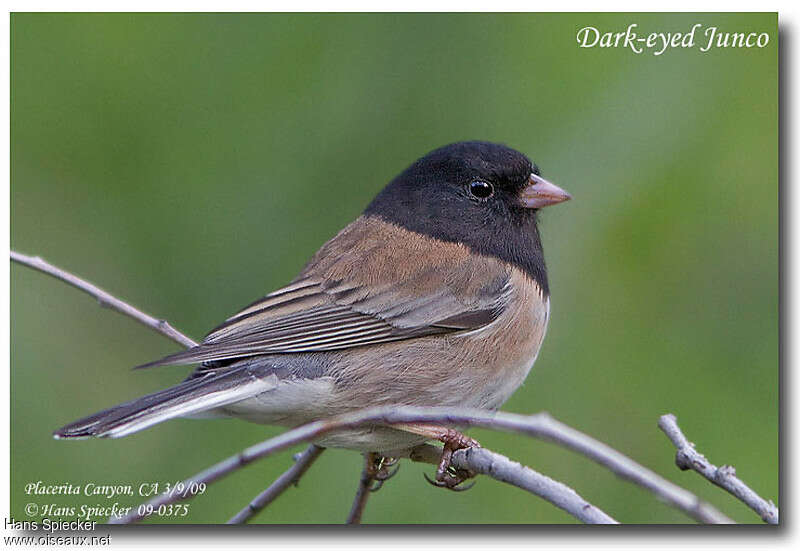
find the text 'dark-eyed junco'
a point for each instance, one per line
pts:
(436, 295)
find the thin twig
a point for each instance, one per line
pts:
(302, 462)
(105, 299)
(539, 425)
(362, 494)
(628, 469)
(425, 453)
(499, 467)
(109, 301)
(503, 469)
(687, 457)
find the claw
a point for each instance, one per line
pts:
(377, 485)
(384, 473)
(433, 482)
(457, 487)
(390, 461)
(462, 487)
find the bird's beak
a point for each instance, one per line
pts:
(541, 193)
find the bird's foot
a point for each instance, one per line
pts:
(448, 476)
(379, 469)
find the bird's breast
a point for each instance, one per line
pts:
(480, 368)
(502, 353)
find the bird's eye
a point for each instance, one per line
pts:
(480, 189)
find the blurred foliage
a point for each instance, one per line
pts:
(191, 163)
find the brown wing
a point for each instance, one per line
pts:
(359, 291)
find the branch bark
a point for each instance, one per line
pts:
(501, 468)
(302, 462)
(362, 494)
(687, 457)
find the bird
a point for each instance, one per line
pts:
(436, 295)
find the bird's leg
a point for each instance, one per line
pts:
(447, 476)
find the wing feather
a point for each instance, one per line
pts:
(335, 306)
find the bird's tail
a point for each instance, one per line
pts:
(192, 396)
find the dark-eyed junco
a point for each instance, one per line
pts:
(436, 295)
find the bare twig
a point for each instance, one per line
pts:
(362, 494)
(502, 468)
(540, 426)
(687, 457)
(105, 299)
(302, 462)
(425, 453)
(109, 301)
(628, 469)
(499, 467)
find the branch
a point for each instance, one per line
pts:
(540, 426)
(499, 467)
(423, 453)
(105, 299)
(725, 477)
(503, 469)
(362, 494)
(162, 326)
(301, 464)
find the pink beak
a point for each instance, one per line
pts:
(541, 193)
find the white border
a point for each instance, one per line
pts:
(384, 6)
(422, 538)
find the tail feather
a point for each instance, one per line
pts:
(189, 397)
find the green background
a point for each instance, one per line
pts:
(192, 163)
